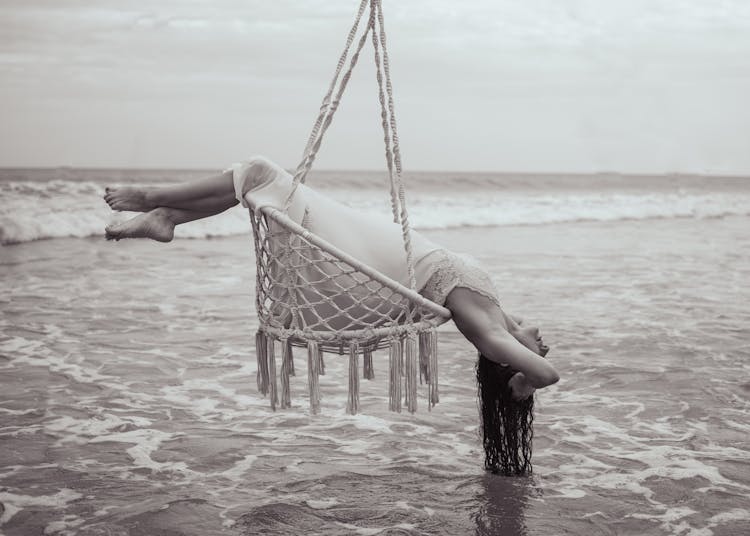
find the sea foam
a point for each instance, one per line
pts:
(34, 209)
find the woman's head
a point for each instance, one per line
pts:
(530, 337)
(507, 430)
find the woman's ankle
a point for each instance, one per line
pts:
(150, 196)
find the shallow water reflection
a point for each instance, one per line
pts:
(501, 505)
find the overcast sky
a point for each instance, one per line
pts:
(495, 85)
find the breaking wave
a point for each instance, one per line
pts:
(43, 209)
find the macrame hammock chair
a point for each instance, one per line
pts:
(312, 295)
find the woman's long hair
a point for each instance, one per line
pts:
(507, 430)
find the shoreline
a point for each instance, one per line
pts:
(511, 228)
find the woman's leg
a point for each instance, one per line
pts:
(484, 324)
(212, 195)
(157, 224)
(166, 207)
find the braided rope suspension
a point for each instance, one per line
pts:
(328, 108)
(325, 105)
(375, 26)
(393, 158)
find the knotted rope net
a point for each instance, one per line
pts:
(311, 294)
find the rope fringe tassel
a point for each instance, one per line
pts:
(287, 368)
(410, 349)
(424, 357)
(412, 360)
(262, 359)
(313, 364)
(274, 395)
(321, 363)
(434, 396)
(352, 404)
(368, 372)
(395, 357)
(291, 357)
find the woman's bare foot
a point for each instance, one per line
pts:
(155, 225)
(128, 198)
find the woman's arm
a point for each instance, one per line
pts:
(483, 323)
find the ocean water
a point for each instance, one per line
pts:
(127, 373)
(58, 203)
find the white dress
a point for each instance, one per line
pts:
(370, 238)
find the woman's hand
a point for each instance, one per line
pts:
(520, 388)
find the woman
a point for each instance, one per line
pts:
(511, 364)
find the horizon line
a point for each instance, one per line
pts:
(706, 174)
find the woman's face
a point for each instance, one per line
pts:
(531, 338)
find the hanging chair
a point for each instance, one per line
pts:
(311, 294)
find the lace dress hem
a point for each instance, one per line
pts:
(451, 270)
